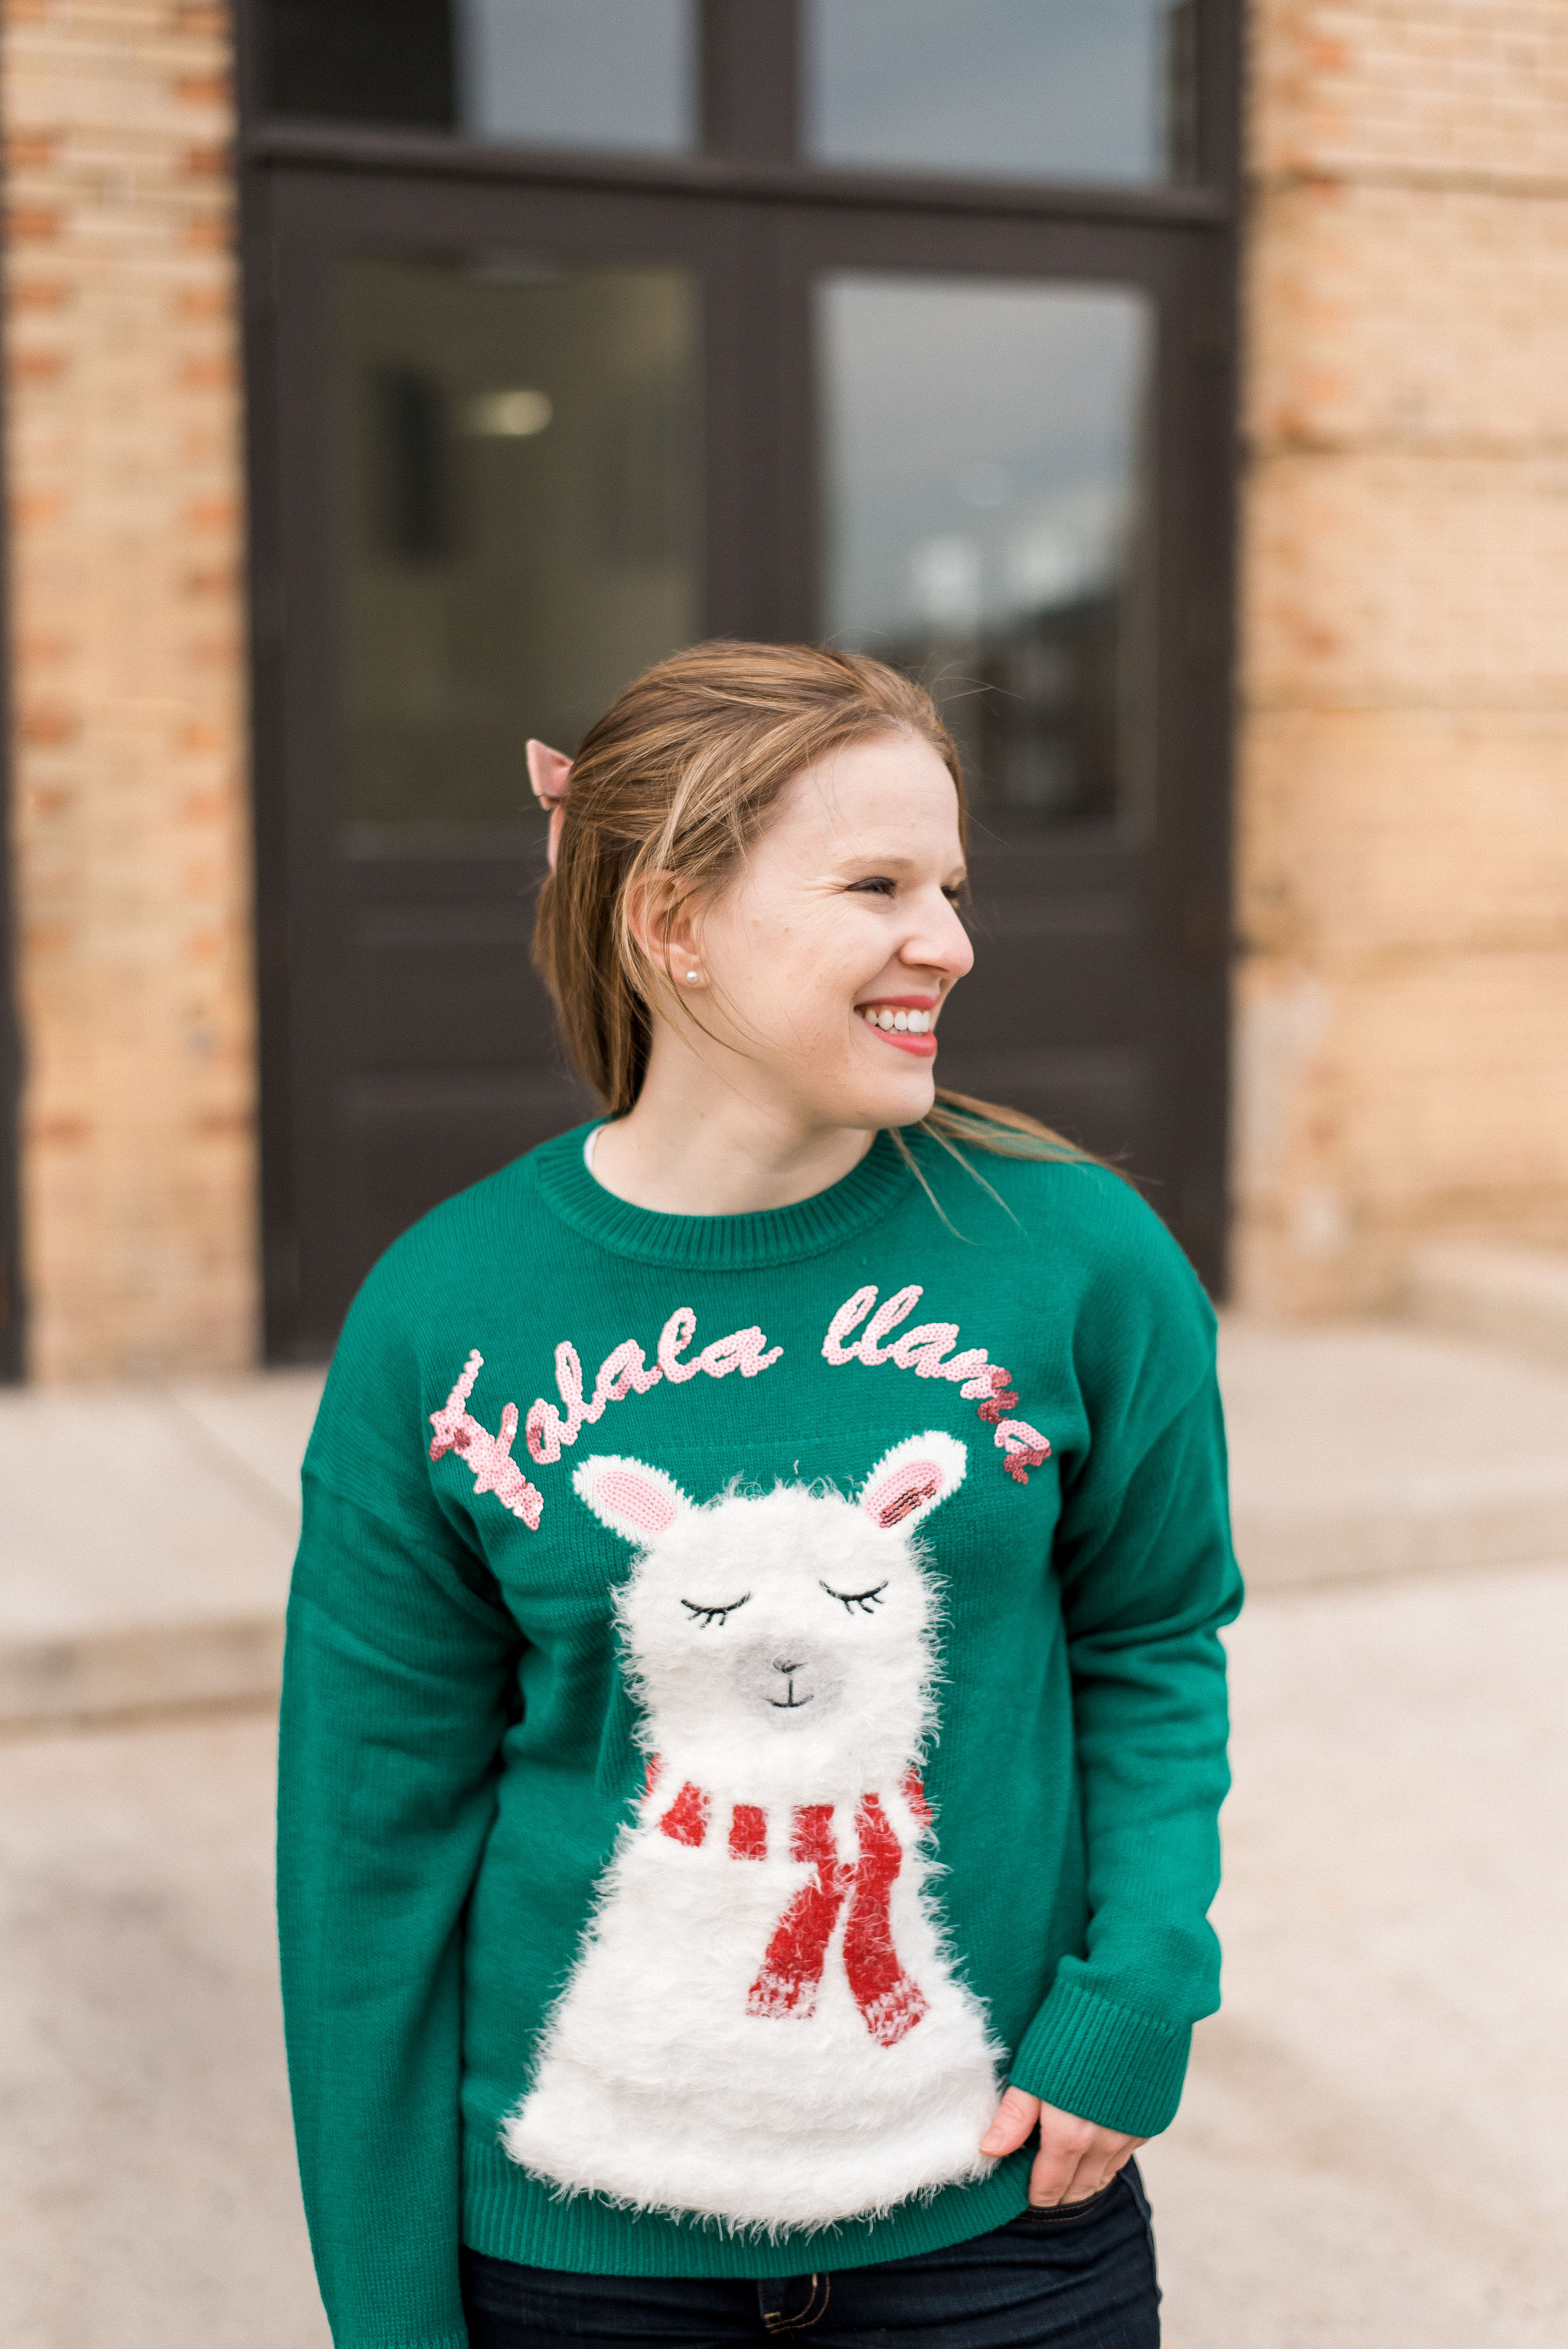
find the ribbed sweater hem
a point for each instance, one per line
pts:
(1105, 2063)
(508, 2215)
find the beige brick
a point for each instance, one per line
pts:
(1431, 89)
(1423, 318)
(1389, 574)
(1366, 834)
(1376, 1110)
(1402, 991)
(130, 756)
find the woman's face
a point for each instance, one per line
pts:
(825, 964)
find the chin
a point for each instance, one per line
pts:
(876, 1106)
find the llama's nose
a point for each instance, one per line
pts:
(779, 1666)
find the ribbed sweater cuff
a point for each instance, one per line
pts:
(1121, 2070)
(406, 2340)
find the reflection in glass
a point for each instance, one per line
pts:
(1080, 90)
(987, 522)
(518, 516)
(554, 73)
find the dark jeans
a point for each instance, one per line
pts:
(1083, 2276)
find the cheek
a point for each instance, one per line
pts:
(791, 977)
(799, 994)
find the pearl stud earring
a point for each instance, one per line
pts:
(694, 974)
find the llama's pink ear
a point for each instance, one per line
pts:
(908, 1482)
(634, 1501)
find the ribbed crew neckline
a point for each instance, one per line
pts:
(717, 1243)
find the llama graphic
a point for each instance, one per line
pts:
(763, 2023)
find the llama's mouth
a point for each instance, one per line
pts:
(791, 1681)
(790, 1702)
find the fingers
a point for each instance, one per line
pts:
(1076, 2159)
(1067, 2146)
(1016, 2116)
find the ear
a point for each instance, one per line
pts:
(908, 1482)
(663, 925)
(636, 1502)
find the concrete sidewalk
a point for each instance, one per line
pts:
(146, 1542)
(145, 1550)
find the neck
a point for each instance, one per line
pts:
(698, 1144)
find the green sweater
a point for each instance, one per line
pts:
(753, 1686)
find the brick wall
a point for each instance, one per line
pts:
(1402, 1052)
(130, 816)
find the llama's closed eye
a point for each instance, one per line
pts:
(706, 1615)
(866, 1601)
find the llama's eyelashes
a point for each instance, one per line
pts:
(866, 1600)
(706, 1615)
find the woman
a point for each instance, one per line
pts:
(754, 1717)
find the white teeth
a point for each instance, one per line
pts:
(904, 1023)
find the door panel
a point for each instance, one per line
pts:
(496, 493)
(998, 415)
(516, 466)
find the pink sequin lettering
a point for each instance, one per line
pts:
(544, 1428)
(848, 1317)
(625, 1371)
(1025, 1446)
(673, 1339)
(923, 1350)
(742, 1351)
(622, 1373)
(488, 1457)
(886, 1318)
(927, 1351)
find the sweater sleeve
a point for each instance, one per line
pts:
(397, 1671)
(1148, 1578)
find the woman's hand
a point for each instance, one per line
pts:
(1076, 2159)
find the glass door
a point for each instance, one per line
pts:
(499, 495)
(985, 416)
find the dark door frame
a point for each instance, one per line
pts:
(747, 159)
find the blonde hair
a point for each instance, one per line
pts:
(672, 786)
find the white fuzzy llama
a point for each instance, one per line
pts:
(763, 2024)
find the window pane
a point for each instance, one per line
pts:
(579, 73)
(1061, 90)
(554, 73)
(516, 517)
(987, 519)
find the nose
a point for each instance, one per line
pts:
(940, 943)
(779, 1666)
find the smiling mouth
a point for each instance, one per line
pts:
(905, 1023)
(789, 1703)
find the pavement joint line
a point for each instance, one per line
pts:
(1444, 1575)
(247, 1481)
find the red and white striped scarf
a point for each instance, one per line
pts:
(890, 2000)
